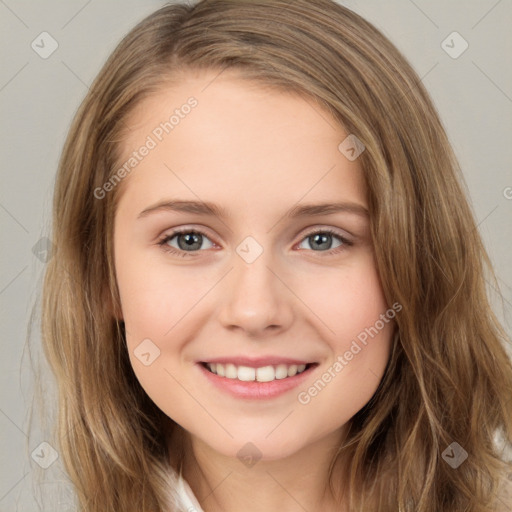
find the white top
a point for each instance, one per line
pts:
(187, 497)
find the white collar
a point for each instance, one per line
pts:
(187, 496)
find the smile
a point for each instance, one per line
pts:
(256, 380)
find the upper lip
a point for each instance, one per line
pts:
(257, 362)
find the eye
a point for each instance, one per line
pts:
(187, 240)
(322, 239)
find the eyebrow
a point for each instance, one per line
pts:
(211, 209)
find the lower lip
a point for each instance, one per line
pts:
(256, 390)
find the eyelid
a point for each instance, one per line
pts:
(202, 230)
(327, 229)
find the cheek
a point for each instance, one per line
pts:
(347, 301)
(154, 297)
(153, 303)
(358, 327)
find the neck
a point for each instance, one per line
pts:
(297, 482)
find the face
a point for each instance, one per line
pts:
(226, 262)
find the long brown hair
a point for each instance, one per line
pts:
(449, 378)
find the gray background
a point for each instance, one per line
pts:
(39, 97)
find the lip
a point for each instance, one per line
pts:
(255, 390)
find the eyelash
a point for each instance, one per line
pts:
(167, 248)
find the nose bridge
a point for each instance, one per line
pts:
(254, 297)
(254, 277)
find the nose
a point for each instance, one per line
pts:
(256, 299)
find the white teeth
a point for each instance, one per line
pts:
(281, 371)
(292, 370)
(265, 374)
(246, 374)
(249, 374)
(231, 371)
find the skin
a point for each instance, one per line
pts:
(257, 153)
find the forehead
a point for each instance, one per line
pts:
(239, 136)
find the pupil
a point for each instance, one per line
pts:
(190, 240)
(322, 239)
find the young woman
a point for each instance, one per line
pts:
(267, 291)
